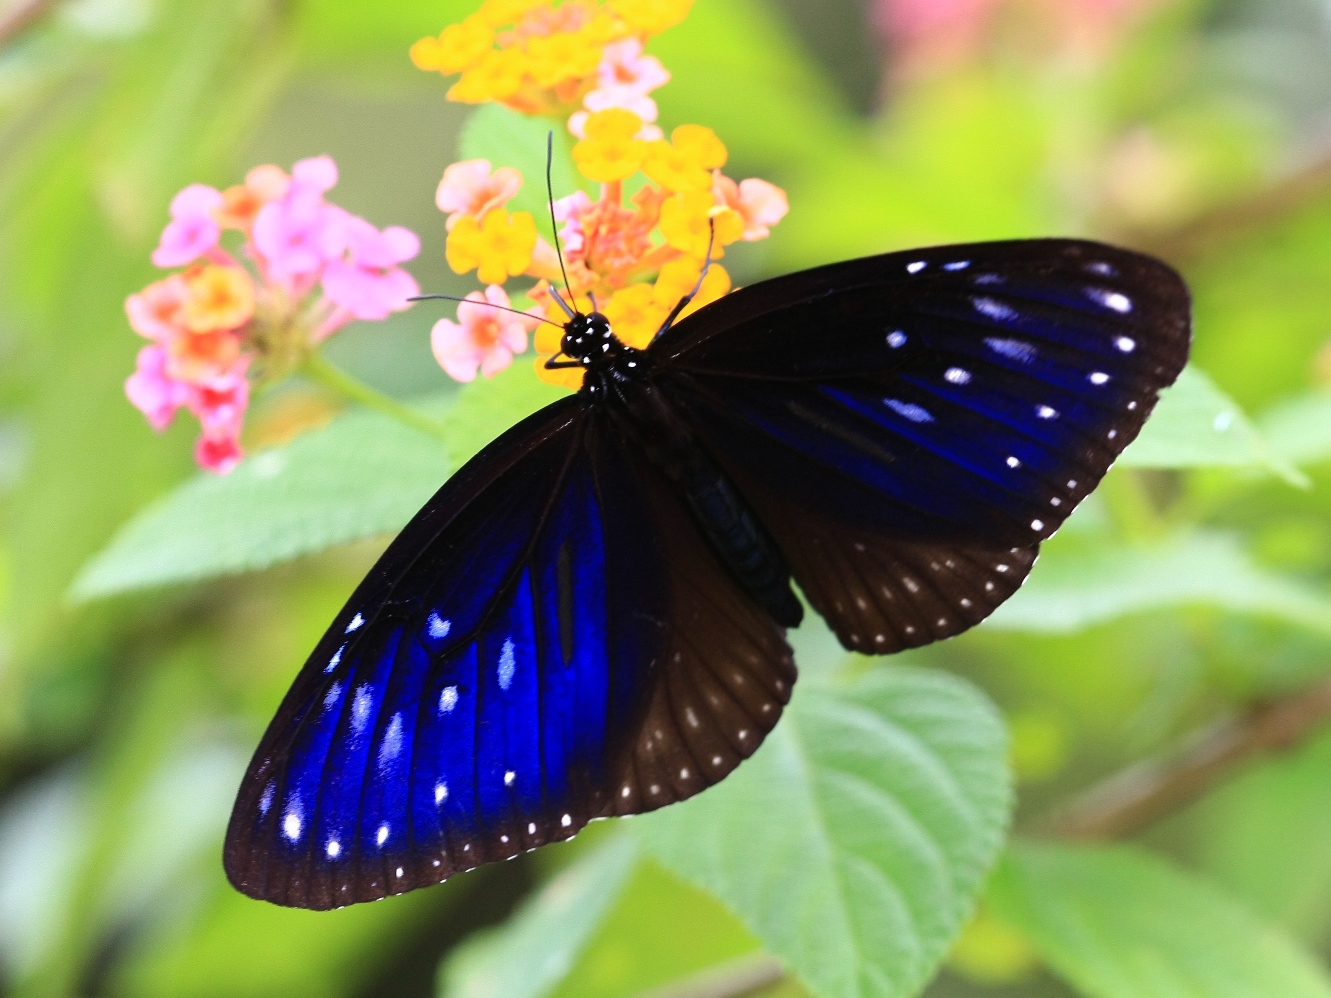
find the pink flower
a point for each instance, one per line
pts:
(220, 455)
(368, 283)
(157, 311)
(154, 392)
(625, 78)
(300, 232)
(484, 338)
(759, 203)
(469, 188)
(569, 210)
(193, 230)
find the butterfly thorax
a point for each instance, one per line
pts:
(589, 340)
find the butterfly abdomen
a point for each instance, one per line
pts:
(732, 529)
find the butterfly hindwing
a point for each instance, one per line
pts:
(955, 404)
(548, 641)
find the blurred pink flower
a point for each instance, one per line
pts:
(625, 78)
(569, 210)
(219, 455)
(220, 403)
(759, 203)
(157, 311)
(154, 392)
(483, 338)
(367, 282)
(300, 232)
(193, 229)
(469, 188)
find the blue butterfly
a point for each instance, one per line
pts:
(589, 618)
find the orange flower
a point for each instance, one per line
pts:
(610, 152)
(498, 246)
(759, 203)
(200, 357)
(686, 161)
(242, 202)
(219, 298)
(686, 221)
(458, 47)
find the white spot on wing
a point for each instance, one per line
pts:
(957, 265)
(360, 707)
(392, 743)
(382, 835)
(438, 627)
(957, 376)
(331, 696)
(1018, 350)
(334, 848)
(1126, 343)
(448, 699)
(994, 309)
(566, 820)
(293, 819)
(1037, 524)
(337, 657)
(896, 339)
(509, 777)
(266, 800)
(913, 412)
(1098, 378)
(1013, 462)
(356, 621)
(1115, 300)
(916, 267)
(508, 664)
(440, 792)
(1046, 412)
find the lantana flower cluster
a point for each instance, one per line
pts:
(632, 256)
(303, 269)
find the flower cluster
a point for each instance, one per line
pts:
(539, 58)
(310, 268)
(634, 257)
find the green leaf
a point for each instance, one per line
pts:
(1080, 584)
(537, 946)
(1196, 425)
(360, 476)
(507, 138)
(854, 842)
(1120, 923)
(1299, 430)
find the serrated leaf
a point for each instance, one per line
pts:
(1077, 585)
(854, 842)
(1196, 425)
(507, 138)
(534, 950)
(362, 475)
(1119, 923)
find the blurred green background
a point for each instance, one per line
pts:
(1194, 586)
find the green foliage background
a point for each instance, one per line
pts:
(150, 619)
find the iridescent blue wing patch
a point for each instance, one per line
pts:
(548, 641)
(909, 427)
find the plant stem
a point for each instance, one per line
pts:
(338, 380)
(1147, 791)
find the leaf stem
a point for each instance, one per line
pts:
(318, 368)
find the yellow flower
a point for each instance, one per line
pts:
(497, 75)
(610, 151)
(686, 219)
(547, 342)
(219, 298)
(499, 245)
(458, 47)
(651, 17)
(684, 163)
(497, 13)
(680, 276)
(562, 56)
(635, 315)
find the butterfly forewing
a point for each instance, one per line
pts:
(910, 426)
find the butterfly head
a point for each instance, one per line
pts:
(587, 338)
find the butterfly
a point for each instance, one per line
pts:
(589, 618)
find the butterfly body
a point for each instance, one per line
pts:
(588, 619)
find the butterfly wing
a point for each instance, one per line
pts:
(547, 641)
(910, 426)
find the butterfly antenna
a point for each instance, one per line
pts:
(490, 304)
(554, 225)
(707, 263)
